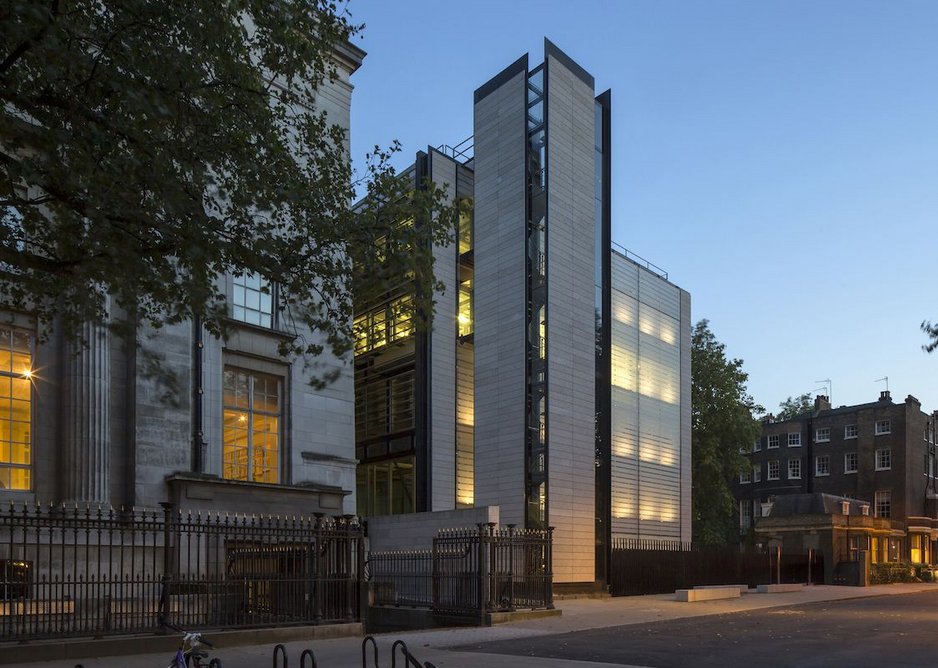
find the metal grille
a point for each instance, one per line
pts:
(95, 571)
(468, 571)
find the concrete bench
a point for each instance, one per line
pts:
(742, 588)
(780, 588)
(690, 595)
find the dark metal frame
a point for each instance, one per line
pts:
(96, 571)
(469, 572)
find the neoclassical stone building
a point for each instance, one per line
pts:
(245, 432)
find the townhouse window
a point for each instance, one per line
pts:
(757, 445)
(883, 427)
(884, 459)
(745, 514)
(822, 466)
(850, 462)
(822, 435)
(16, 390)
(772, 472)
(745, 477)
(253, 300)
(773, 441)
(757, 473)
(794, 440)
(252, 421)
(850, 431)
(794, 469)
(883, 503)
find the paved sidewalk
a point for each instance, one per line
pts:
(578, 615)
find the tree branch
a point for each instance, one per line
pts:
(20, 50)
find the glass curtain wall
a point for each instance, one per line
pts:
(536, 432)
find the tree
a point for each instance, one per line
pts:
(722, 424)
(795, 406)
(932, 331)
(149, 147)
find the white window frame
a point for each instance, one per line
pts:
(253, 287)
(883, 427)
(882, 500)
(794, 460)
(768, 472)
(745, 477)
(745, 513)
(856, 463)
(794, 439)
(757, 446)
(883, 459)
(757, 473)
(817, 466)
(847, 434)
(773, 438)
(822, 435)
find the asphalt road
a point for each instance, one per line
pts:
(881, 632)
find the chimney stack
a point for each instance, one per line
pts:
(821, 403)
(885, 396)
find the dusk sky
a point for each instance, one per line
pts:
(779, 159)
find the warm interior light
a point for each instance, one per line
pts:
(27, 374)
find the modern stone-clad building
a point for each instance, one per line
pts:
(245, 432)
(555, 382)
(880, 454)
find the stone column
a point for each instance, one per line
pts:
(86, 408)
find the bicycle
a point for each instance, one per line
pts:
(189, 653)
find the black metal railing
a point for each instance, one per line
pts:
(96, 571)
(639, 566)
(468, 571)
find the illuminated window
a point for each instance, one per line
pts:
(15, 409)
(822, 466)
(772, 473)
(253, 300)
(850, 462)
(252, 409)
(391, 322)
(883, 427)
(883, 503)
(850, 431)
(773, 441)
(884, 459)
(465, 308)
(794, 469)
(794, 440)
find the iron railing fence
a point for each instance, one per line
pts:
(468, 571)
(639, 566)
(97, 571)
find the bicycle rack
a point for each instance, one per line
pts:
(399, 647)
(281, 652)
(312, 658)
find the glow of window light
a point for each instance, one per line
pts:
(27, 373)
(242, 418)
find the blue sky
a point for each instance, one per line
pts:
(778, 158)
